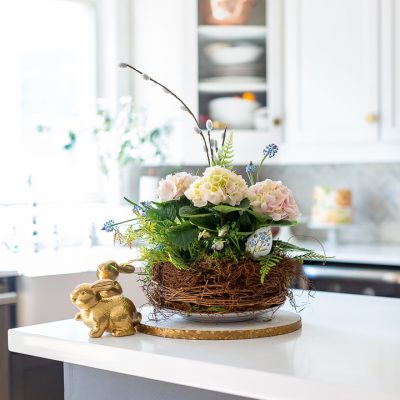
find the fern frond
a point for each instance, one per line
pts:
(267, 263)
(225, 156)
(177, 261)
(286, 248)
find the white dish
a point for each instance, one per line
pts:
(234, 79)
(234, 111)
(261, 120)
(230, 55)
(264, 315)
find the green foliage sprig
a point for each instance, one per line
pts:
(226, 155)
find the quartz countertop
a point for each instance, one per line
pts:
(348, 348)
(64, 261)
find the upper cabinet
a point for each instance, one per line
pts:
(390, 71)
(332, 66)
(321, 78)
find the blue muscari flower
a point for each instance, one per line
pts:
(137, 209)
(250, 168)
(146, 204)
(270, 150)
(108, 226)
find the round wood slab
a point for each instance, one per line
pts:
(177, 327)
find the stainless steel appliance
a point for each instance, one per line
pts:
(8, 299)
(374, 280)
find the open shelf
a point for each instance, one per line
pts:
(239, 32)
(231, 87)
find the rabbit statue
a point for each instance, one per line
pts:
(116, 314)
(110, 270)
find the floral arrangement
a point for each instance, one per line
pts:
(209, 245)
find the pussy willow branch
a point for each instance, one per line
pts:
(224, 136)
(185, 107)
(211, 147)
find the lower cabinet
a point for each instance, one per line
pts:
(34, 378)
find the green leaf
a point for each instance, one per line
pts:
(225, 156)
(208, 222)
(284, 223)
(226, 209)
(245, 203)
(267, 263)
(182, 235)
(245, 223)
(189, 211)
(167, 211)
(262, 219)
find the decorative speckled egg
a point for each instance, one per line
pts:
(259, 244)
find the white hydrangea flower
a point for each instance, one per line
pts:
(217, 185)
(174, 186)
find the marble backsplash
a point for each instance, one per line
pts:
(376, 197)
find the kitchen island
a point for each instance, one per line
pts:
(348, 348)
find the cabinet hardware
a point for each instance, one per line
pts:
(277, 122)
(371, 118)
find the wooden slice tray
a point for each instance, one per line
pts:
(177, 327)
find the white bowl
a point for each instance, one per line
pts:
(261, 120)
(236, 112)
(230, 55)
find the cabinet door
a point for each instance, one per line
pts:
(4, 355)
(390, 43)
(331, 71)
(34, 378)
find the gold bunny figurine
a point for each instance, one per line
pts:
(116, 314)
(110, 270)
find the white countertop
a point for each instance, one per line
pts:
(348, 348)
(64, 261)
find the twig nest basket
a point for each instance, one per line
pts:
(220, 286)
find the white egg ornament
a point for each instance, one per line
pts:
(259, 243)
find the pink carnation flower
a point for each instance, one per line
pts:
(274, 199)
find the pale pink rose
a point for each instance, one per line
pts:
(274, 199)
(174, 186)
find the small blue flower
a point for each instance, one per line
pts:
(108, 226)
(137, 209)
(250, 168)
(263, 236)
(270, 150)
(146, 204)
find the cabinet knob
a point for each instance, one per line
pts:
(277, 122)
(371, 118)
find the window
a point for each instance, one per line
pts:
(47, 79)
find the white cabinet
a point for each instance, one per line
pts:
(210, 79)
(390, 71)
(332, 65)
(331, 78)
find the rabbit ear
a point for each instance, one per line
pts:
(108, 266)
(126, 268)
(102, 284)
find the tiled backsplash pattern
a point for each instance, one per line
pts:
(376, 197)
